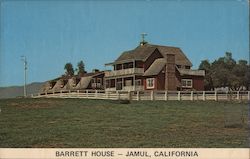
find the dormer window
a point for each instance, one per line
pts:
(187, 67)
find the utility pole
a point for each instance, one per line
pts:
(25, 75)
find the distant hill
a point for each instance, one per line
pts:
(15, 91)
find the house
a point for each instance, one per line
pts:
(93, 80)
(153, 67)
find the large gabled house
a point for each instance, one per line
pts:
(153, 67)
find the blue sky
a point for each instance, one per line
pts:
(52, 33)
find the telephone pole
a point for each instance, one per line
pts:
(25, 75)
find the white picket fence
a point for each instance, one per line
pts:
(149, 95)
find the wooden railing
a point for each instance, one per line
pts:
(128, 71)
(150, 95)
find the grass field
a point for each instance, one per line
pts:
(102, 123)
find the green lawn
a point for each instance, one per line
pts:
(102, 123)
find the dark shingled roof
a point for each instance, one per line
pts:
(144, 51)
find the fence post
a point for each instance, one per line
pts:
(87, 94)
(179, 95)
(129, 95)
(152, 95)
(95, 94)
(78, 93)
(192, 96)
(204, 95)
(248, 95)
(238, 95)
(138, 95)
(107, 95)
(215, 96)
(166, 95)
(69, 95)
(118, 95)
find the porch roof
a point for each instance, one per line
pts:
(156, 67)
(191, 72)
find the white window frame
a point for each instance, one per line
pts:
(148, 82)
(186, 82)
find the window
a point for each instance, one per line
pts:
(99, 80)
(138, 82)
(187, 83)
(187, 67)
(96, 83)
(128, 82)
(150, 82)
(107, 83)
(179, 66)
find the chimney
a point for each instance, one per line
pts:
(170, 80)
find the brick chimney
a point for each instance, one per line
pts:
(170, 80)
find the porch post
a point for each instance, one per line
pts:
(134, 83)
(115, 83)
(122, 82)
(134, 66)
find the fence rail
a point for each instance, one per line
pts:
(149, 95)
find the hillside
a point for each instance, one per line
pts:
(15, 91)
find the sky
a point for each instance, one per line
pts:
(52, 33)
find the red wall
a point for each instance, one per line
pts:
(198, 83)
(160, 80)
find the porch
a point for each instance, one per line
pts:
(127, 83)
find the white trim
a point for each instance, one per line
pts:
(186, 83)
(152, 82)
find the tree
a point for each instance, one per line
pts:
(69, 69)
(81, 68)
(226, 72)
(208, 82)
(240, 71)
